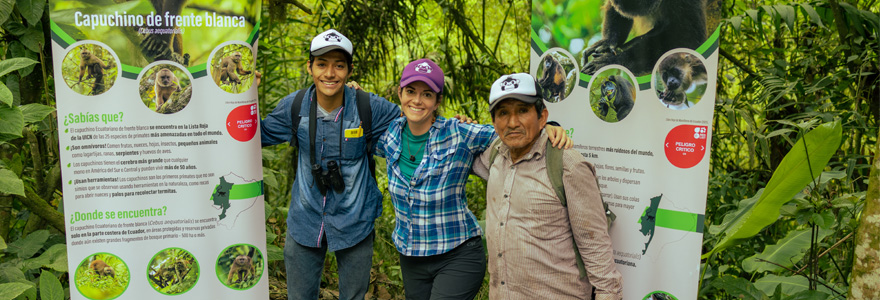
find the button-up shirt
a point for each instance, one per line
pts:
(431, 208)
(345, 218)
(529, 233)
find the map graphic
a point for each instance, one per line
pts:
(649, 221)
(233, 195)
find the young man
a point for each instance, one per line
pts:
(335, 199)
(529, 232)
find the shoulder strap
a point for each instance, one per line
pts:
(553, 158)
(365, 113)
(294, 114)
(493, 151)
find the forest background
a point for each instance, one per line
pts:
(786, 68)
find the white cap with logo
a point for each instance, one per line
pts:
(330, 40)
(519, 86)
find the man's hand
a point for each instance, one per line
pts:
(354, 85)
(558, 137)
(466, 119)
(257, 76)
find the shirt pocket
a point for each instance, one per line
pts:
(353, 147)
(442, 162)
(549, 218)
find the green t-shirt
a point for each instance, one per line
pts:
(412, 152)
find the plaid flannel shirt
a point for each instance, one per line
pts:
(431, 208)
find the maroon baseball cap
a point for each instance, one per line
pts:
(424, 70)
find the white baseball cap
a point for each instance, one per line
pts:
(519, 86)
(330, 40)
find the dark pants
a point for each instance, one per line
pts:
(457, 274)
(305, 264)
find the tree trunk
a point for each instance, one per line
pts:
(865, 283)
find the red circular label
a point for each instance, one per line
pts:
(241, 123)
(685, 145)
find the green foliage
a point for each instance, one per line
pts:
(785, 254)
(31, 264)
(807, 158)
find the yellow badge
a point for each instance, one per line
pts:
(354, 132)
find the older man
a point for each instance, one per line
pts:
(529, 231)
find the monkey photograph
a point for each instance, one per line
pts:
(680, 80)
(101, 276)
(232, 68)
(240, 266)
(556, 75)
(89, 69)
(173, 271)
(165, 88)
(612, 95)
(630, 33)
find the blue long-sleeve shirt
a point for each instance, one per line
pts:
(345, 218)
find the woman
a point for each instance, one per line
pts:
(429, 159)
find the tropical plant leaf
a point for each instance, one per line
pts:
(54, 258)
(12, 289)
(739, 288)
(12, 64)
(274, 253)
(35, 112)
(814, 16)
(50, 287)
(10, 184)
(5, 9)
(790, 285)
(807, 157)
(31, 10)
(11, 121)
(26, 247)
(5, 95)
(809, 295)
(786, 252)
(2, 244)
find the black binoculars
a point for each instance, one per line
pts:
(329, 178)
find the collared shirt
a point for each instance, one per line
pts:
(529, 233)
(431, 208)
(345, 218)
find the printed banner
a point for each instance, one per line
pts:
(637, 96)
(161, 161)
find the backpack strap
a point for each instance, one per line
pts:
(365, 113)
(553, 159)
(294, 115)
(493, 151)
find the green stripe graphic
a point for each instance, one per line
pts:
(244, 190)
(679, 220)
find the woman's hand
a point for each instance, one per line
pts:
(558, 137)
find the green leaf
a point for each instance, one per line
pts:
(54, 258)
(26, 247)
(33, 38)
(5, 9)
(5, 95)
(787, 13)
(786, 252)
(739, 288)
(790, 285)
(35, 112)
(2, 244)
(11, 274)
(809, 295)
(12, 289)
(31, 10)
(792, 175)
(274, 253)
(814, 16)
(11, 121)
(50, 287)
(12, 64)
(10, 184)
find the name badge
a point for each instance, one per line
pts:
(354, 132)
